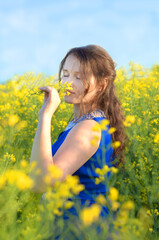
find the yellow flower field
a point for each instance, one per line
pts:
(133, 189)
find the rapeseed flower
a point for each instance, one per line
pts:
(24, 163)
(129, 205)
(99, 180)
(113, 194)
(94, 141)
(90, 214)
(129, 120)
(17, 177)
(101, 199)
(113, 169)
(22, 124)
(13, 119)
(68, 204)
(156, 138)
(55, 172)
(116, 144)
(115, 205)
(104, 123)
(111, 130)
(10, 157)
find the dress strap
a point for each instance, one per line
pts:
(94, 114)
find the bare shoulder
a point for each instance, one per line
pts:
(84, 127)
(77, 148)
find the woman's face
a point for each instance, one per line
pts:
(71, 74)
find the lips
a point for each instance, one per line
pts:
(70, 91)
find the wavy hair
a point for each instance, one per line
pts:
(95, 60)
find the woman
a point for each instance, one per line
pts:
(91, 72)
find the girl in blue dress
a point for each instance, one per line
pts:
(91, 73)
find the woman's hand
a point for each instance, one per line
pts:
(51, 101)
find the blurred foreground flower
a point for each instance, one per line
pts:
(116, 144)
(17, 177)
(101, 199)
(113, 194)
(129, 120)
(10, 157)
(13, 119)
(156, 139)
(129, 205)
(90, 214)
(24, 163)
(111, 130)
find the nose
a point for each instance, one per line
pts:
(69, 80)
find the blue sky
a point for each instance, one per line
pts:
(35, 35)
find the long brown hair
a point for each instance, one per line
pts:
(95, 60)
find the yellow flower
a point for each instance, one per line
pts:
(113, 194)
(139, 121)
(55, 171)
(72, 180)
(13, 119)
(123, 217)
(156, 139)
(126, 124)
(128, 205)
(58, 212)
(101, 199)
(11, 176)
(2, 182)
(78, 189)
(19, 178)
(49, 195)
(24, 182)
(150, 230)
(111, 130)
(21, 125)
(9, 157)
(116, 144)
(130, 118)
(23, 163)
(102, 171)
(96, 127)
(149, 213)
(99, 180)
(104, 123)
(68, 204)
(99, 171)
(114, 170)
(115, 205)
(12, 158)
(90, 214)
(94, 141)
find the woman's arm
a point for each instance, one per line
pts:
(41, 150)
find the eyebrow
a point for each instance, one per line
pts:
(67, 71)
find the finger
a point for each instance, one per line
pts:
(46, 89)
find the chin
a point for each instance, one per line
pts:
(67, 99)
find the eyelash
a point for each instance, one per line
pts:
(67, 76)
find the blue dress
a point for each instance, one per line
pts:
(87, 172)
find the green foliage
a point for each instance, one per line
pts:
(21, 213)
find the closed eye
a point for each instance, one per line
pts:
(68, 76)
